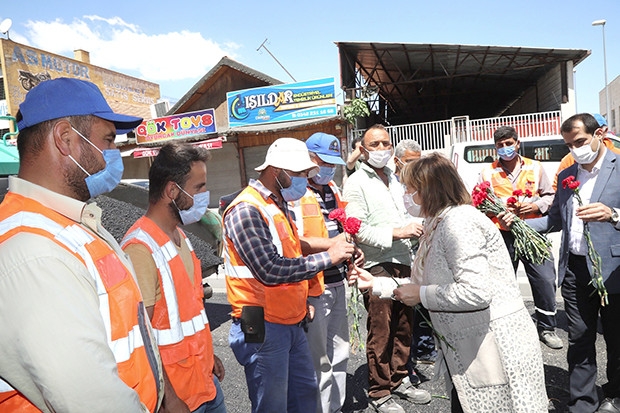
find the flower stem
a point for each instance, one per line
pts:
(597, 264)
(353, 311)
(437, 334)
(417, 308)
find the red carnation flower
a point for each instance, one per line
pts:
(478, 197)
(528, 193)
(338, 214)
(512, 201)
(517, 192)
(566, 181)
(570, 183)
(480, 193)
(352, 225)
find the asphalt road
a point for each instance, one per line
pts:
(235, 389)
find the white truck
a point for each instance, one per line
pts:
(470, 157)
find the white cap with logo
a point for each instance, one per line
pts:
(290, 154)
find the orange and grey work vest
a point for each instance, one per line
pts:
(283, 303)
(529, 178)
(179, 319)
(121, 307)
(311, 223)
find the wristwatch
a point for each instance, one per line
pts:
(614, 217)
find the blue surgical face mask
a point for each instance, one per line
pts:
(197, 210)
(298, 188)
(507, 153)
(326, 174)
(109, 177)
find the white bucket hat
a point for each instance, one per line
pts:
(290, 154)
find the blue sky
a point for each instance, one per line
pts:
(176, 43)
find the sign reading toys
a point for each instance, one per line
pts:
(182, 125)
(281, 103)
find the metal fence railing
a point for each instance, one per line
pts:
(437, 135)
(527, 125)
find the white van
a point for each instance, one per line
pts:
(470, 157)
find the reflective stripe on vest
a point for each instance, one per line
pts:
(529, 178)
(311, 223)
(121, 309)
(179, 319)
(283, 303)
(4, 386)
(241, 271)
(309, 202)
(75, 238)
(162, 255)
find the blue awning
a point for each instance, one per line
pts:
(9, 159)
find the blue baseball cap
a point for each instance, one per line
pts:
(62, 97)
(327, 147)
(600, 119)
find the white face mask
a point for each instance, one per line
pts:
(198, 208)
(584, 155)
(379, 159)
(413, 209)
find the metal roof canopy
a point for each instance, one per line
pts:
(426, 82)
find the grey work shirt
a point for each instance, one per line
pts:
(53, 346)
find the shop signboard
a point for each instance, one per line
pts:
(153, 151)
(281, 103)
(180, 125)
(26, 66)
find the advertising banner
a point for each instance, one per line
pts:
(208, 144)
(181, 125)
(281, 103)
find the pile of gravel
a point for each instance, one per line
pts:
(119, 216)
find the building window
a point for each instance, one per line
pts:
(613, 119)
(2, 94)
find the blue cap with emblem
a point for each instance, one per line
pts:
(327, 147)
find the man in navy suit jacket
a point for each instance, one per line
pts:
(598, 171)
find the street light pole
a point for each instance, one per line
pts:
(575, 88)
(608, 104)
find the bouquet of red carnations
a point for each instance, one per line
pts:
(529, 244)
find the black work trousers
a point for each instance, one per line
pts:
(583, 307)
(543, 283)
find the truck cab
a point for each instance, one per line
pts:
(471, 157)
